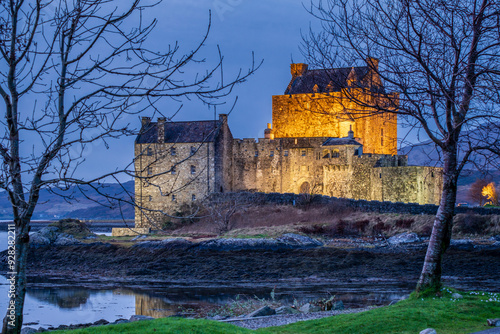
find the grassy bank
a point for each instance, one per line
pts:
(445, 314)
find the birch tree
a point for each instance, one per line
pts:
(443, 60)
(72, 73)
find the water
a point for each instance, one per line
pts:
(47, 305)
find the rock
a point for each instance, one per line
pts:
(120, 321)
(299, 240)
(137, 317)
(456, 295)
(28, 330)
(428, 331)
(286, 310)
(217, 317)
(101, 322)
(338, 305)
(403, 238)
(308, 308)
(42, 330)
(232, 244)
(262, 312)
(139, 237)
(463, 244)
(37, 239)
(170, 244)
(65, 239)
(494, 322)
(49, 232)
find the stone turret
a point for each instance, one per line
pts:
(269, 133)
(298, 70)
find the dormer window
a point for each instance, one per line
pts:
(173, 151)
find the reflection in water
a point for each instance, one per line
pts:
(154, 307)
(63, 298)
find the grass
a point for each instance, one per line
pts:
(165, 325)
(444, 314)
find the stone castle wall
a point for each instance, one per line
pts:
(332, 115)
(289, 165)
(165, 180)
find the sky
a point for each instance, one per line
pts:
(269, 29)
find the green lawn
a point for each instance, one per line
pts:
(445, 314)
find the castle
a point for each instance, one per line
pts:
(320, 142)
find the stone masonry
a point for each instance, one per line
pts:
(320, 142)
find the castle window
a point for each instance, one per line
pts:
(381, 137)
(193, 150)
(285, 153)
(173, 151)
(335, 154)
(256, 153)
(326, 154)
(193, 169)
(193, 197)
(174, 198)
(304, 152)
(150, 198)
(150, 171)
(149, 151)
(172, 170)
(432, 174)
(271, 154)
(380, 175)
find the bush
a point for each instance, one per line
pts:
(404, 223)
(470, 223)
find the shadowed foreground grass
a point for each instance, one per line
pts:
(445, 314)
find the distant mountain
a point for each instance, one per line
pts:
(76, 203)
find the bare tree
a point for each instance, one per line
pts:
(476, 191)
(220, 209)
(442, 58)
(72, 73)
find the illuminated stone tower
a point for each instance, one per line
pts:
(320, 103)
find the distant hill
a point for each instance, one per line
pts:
(85, 204)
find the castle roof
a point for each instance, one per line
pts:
(180, 132)
(333, 78)
(340, 141)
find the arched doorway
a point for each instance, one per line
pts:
(305, 188)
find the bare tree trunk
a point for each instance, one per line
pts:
(430, 278)
(13, 320)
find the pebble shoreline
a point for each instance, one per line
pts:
(285, 319)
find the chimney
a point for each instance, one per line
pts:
(269, 132)
(161, 130)
(372, 63)
(298, 69)
(350, 134)
(145, 121)
(223, 118)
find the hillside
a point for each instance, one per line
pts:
(75, 203)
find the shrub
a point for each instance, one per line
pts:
(470, 223)
(404, 223)
(361, 225)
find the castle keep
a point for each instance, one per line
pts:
(320, 142)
